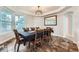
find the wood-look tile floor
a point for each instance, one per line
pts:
(57, 44)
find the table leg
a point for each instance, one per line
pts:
(29, 44)
(18, 47)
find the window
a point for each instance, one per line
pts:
(9, 21)
(19, 21)
(5, 21)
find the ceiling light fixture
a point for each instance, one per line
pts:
(38, 11)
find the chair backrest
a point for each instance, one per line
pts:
(16, 35)
(39, 33)
(26, 29)
(37, 28)
(49, 32)
(46, 32)
(51, 29)
(32, 28)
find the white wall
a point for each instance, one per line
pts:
(32, 21)
(29, 21)
(39, 21)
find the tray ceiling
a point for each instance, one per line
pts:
(31, 9)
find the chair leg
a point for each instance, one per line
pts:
(18, 47)
(29, 44)
(50, 38)
(15, 47)
(41, 41)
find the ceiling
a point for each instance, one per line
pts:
(31, 9)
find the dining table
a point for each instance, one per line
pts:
(30, 36)
(27, 36)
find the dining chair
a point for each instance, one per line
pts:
(32, 29)
(19, 40)
(26, 29)
(51, 29)
(39, 35)
(38, 38)
(46, 35)
(49, 33)
(37, 28)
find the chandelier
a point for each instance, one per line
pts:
(38, 11)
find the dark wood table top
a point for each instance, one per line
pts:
(27, 35)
